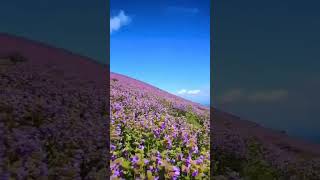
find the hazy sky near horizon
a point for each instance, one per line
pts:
(266, 63)
(164, 43)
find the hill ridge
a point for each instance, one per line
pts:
(112, 74)
(47, 45)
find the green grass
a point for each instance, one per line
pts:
(193, 119)
(256, 167)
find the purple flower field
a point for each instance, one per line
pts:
(156, 135)
(54, 125)
(53, 120)
(246, 150)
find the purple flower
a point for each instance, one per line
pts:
(151, 168)
(112, 147)
(163, 126)
(158, 154)
(185, 138)
(156, 133)
(141, 147)
(180, 156)
(195, 173)
(169, 142)
(114, 166)
(135, 159)
(146, 161)
(159, 162)
(195, 149)
(176, 171)
(188, 160)
(200, 160)
(117, 107)
(116, 172)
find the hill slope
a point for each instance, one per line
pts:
(53, 121)
(155, 134)
(248, 150)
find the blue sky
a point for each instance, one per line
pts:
(164, 43)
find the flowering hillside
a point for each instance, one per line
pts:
(246, 150)
(53, 121)
(155, 134)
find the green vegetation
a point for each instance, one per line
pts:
(252, 168)
(193, 119)
(256, 167)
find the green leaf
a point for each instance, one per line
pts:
(149, 175)
(126, 164)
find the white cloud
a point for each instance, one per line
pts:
(196, 91)
(116, 22)
(200, 95)
(268, 96)
(182, 91)
(190, 92)
(233, 95)
(265, 96)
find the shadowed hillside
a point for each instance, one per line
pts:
(53, 121)
(246, 150)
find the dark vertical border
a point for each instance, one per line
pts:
(107, 21)
(211, 91)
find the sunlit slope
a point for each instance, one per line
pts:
(156, 134)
